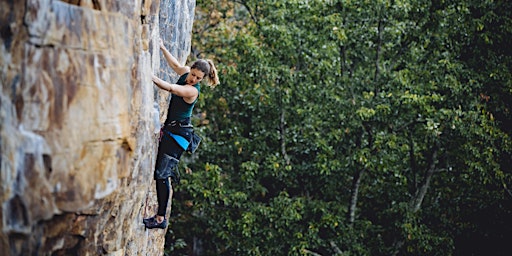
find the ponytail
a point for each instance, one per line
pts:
(213, 78)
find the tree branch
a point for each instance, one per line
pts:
(306, 251)
(422, 191)
(282, 134)
(380, 28)
(355, 192)
(336, 248)
(249, 10)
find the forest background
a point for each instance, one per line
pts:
(352, 127)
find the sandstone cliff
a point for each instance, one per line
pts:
(78, 115)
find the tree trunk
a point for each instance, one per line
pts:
(282, 134)
(355, 192)
(415, 203)
(422, 191)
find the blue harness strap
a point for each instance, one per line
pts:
(179, 139)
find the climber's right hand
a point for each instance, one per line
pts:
(162, 46)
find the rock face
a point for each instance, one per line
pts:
(78, 122)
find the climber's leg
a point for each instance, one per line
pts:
(163, 189)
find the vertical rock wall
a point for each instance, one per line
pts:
(78, 122)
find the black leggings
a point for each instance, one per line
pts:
(163, 190)
(169, 154)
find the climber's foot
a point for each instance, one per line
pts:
(147, 220)
(153, 223)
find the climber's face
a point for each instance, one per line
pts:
(194, 76)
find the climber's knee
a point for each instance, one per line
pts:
(166, 166)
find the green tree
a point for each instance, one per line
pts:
(348, 128)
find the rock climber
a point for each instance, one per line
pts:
(177, 134)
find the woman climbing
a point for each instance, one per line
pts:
(177, 132)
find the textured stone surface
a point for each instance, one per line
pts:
(78, 116)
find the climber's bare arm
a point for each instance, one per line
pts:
(188, 92)
(173, 62)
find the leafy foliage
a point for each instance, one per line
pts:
(366, 127)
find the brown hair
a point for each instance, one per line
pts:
(208, 68)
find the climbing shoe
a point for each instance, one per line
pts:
(153, 223)
(147, 220)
